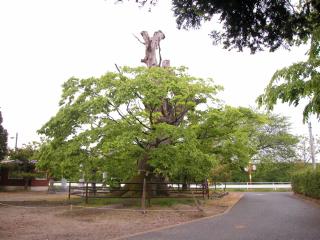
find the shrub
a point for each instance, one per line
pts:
(307, 182)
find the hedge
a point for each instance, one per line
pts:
(307, 182)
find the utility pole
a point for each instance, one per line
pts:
(312, 146)
(16, 144)
(16, 141)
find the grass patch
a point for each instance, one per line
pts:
(136, 202)
(112, 201)
(168, 202)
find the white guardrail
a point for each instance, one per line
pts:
(227, 185)
(253, 185)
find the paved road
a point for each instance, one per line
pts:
(258, 216)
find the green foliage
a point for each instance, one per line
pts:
(3, 140)
(256, 24)
(227, 131)
(240, 135)
(307, 182)
(27, 152)
(24, 166)
(168, 202)
(297, 82)
(139, 119)
(274, 142)
(155, 202)
(156, 120)
(271, 171)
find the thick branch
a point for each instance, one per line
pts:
(158, 142)
(139, 39)
(179, 119)
(139, 143)
(160, 58)
(151, 116)
(117, 68)
(136, 118)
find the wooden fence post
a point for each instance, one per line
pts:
(86, 192)
(93, 185)
(69, 190)
(203, 189)
(143, 197)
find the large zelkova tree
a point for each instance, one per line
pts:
(253, 24)
(3, 140)
(154, 122)
(134, 123)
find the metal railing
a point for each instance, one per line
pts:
(252, 185)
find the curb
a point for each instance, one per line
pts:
(179, 224)
(312, 201)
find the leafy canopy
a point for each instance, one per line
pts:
(256, 24)
(159, 120)
(237, 136)
(253, 24)
(300, 81)
(122, 122)
(265, 24)
(275, 142)
(24, 165)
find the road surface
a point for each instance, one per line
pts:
(258, 216)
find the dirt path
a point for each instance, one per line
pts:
(39, 217)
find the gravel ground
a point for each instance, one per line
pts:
(41, 216)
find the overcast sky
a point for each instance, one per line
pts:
(45, 42)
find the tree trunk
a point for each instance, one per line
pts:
(185, 185)
(151, 45)
(51, 186)
(26, 183)
(156, 186)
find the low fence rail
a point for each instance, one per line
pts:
(153, 189)
(138, 190)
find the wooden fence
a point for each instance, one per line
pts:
(143, 190)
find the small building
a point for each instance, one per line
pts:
(11, 179)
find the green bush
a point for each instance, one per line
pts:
(307, 182)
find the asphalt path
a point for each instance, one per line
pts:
(257, 216)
